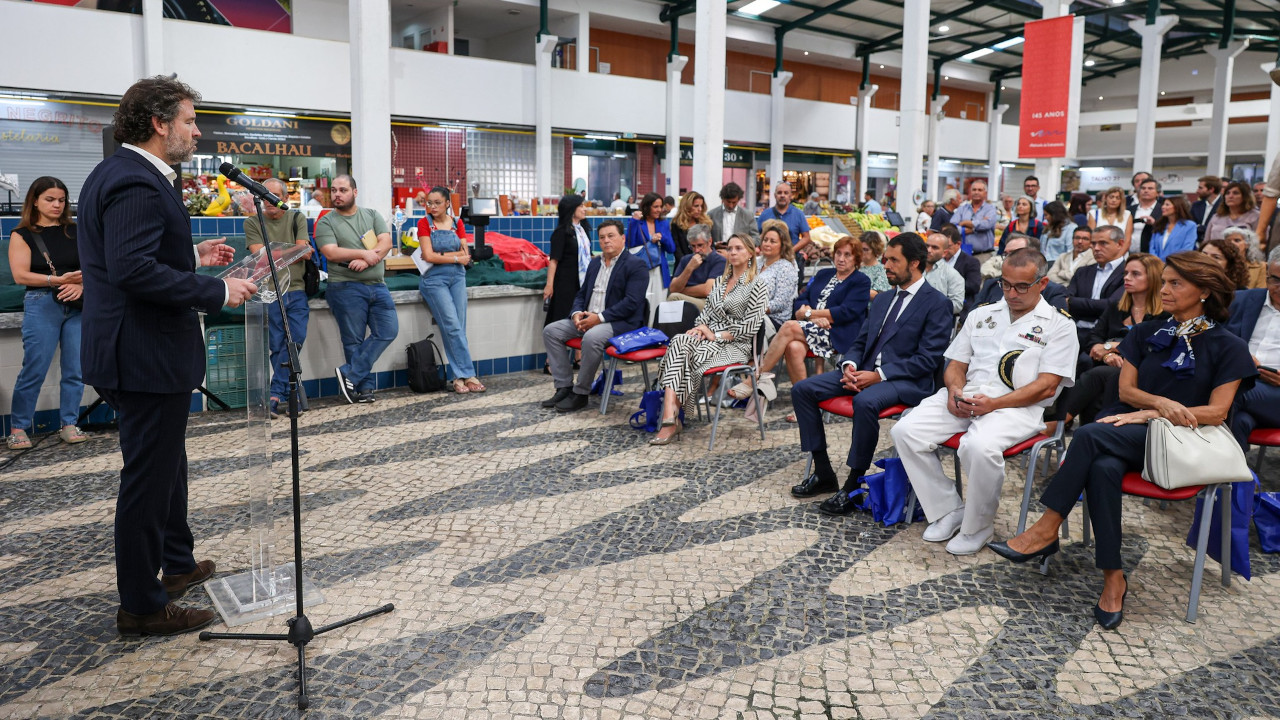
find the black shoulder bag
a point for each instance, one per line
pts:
(77, 304)
(310, 270)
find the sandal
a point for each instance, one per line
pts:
(71, 434)
(460, 386)
(474, 384)
(18, 440)
(791, 417)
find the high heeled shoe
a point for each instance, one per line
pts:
(670, 438)
(1111, 620)
(1003, 550)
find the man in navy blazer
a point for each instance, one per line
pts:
(142, 348)
(893, 361)
(1255, 317)
(1085, 302)
(610, 302)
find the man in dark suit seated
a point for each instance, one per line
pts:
(1094, 287)
(893, 361)
(991, 292)
(142, 347)
(1209, 192)
(610, 302)
(1255, 317)
(967, 265)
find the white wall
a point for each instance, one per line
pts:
(321, 19)
(97, 52)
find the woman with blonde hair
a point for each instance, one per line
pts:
(723, 334)
(1112, 210)
(693, 211)
(777, 269)
(1096, 387)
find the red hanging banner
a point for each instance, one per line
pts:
(1049, 68)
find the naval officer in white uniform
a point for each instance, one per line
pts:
(1007, 364)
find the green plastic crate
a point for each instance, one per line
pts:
(226, 375)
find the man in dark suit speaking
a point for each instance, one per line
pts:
(893, 361)
(142, 348)
(1255, 317)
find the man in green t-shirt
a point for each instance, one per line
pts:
(285, 227)
(355, 241)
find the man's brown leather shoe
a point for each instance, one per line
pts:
(176, 585)
(171, 620)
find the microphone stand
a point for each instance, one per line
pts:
(300, 629)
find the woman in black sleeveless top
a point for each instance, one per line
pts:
(51, 315)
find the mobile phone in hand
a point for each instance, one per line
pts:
(1268, 369)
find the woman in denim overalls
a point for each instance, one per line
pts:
(443, 258)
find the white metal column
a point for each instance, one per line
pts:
(860, 141)
(152, 38)
(1224, 67)
(1273, 122)
(994, 170)
(708, 97)
(671, 166)
(912, 123)
(777, 126)
(1144, 143)
(370, 26)
(542, 113)
(935, 126)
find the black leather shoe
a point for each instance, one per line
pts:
(1003, 550)
(573, 403)
(814, 485)
(1111, 620)
(838, 505)
(561, 393)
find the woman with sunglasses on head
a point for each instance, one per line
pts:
(44, 257)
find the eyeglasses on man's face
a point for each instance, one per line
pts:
(1019, 288)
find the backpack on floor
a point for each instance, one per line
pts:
(424, 371)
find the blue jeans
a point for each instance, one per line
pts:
(357, 306)
(45, 325)
(444, 288)
(295, 304)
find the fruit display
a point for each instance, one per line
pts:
(867, 222)
(814, 221)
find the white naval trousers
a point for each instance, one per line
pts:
(981, 452)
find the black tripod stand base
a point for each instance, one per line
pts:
(299, 635)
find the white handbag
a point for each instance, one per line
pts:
(1181, 456)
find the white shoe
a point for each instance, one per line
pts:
(970, 544)
(945, 527)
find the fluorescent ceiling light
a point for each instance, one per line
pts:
(1009, 43)
(944, 28)
(979, 53)
(1088, 63)
(1090, 169)
(758, 7)
(590, 136)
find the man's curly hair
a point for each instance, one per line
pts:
(158, 97)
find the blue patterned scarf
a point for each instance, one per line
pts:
(1176, 337)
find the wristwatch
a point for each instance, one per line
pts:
(808, 313)
(1108, 345)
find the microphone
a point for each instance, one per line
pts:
(233, 173)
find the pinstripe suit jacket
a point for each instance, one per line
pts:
(140, 330)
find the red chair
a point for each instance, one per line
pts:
(1032, 448)
(1264, 438)
(842, 406)
(726, 373)
(642, 356)
(1133, 484)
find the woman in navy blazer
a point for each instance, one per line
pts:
(1175, 231)
(827, 318)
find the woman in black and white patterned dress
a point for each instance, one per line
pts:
(724, 334)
